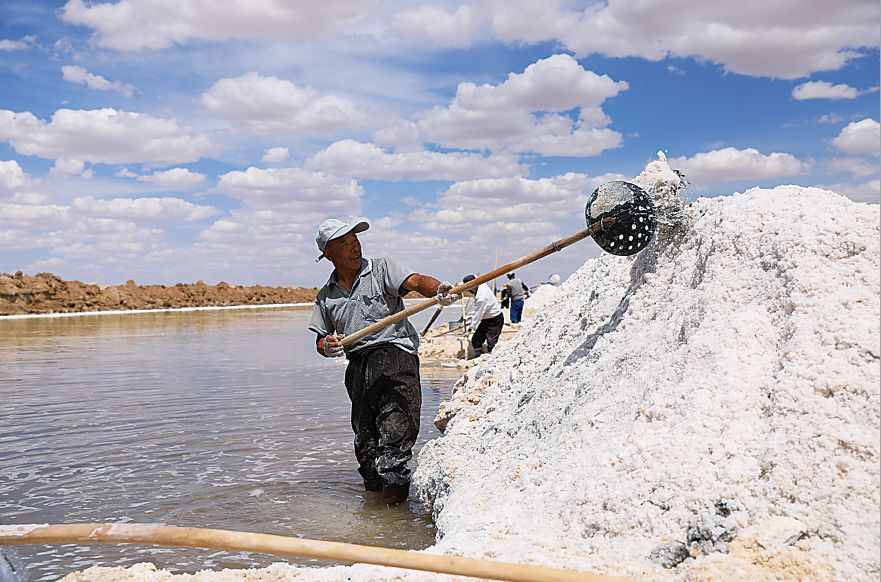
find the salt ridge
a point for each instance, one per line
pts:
(732, 368)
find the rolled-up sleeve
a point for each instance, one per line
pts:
(320, 323)
(395, 275)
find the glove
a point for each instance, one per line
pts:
(332, 347)
(444, 297)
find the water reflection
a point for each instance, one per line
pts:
(222, 419)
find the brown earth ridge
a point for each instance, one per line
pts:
(48, 293)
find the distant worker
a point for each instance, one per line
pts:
(517, 293)
(382, 377)
(486, 314)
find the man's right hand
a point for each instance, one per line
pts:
(332, 347)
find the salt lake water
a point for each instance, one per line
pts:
(224, 419)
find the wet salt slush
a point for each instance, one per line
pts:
(224, 419)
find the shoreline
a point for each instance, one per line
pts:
(296, 306)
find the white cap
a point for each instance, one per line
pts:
(333, 228)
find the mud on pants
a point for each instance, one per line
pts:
(383, 385)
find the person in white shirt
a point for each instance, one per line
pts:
(487, 314)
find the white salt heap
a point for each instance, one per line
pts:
(720, 388)
(712, 402)
(540, 299)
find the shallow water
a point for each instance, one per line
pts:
(224, 419)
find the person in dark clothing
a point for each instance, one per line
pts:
(382, 377)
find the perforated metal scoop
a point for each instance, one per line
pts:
(634, 214)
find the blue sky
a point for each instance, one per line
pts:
(167, 141)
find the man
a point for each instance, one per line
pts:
(487, 314)
(517, 292)
(382, 377)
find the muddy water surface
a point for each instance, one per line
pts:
(224, 419)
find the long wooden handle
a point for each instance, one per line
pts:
(432, 320)
(219, 539)
(506, 268)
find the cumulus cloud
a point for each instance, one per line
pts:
(293, 186)
(365, 160)
(33, 215)
(859, 137)
(525, 113)
(137, 209)
(869, 192)
(74, 74)
(824, 90)
(731, 164)
(273, 105)
(17, 45)
(275, 155)
(70, 168)
(509, 203)
(12, 177)
(102, 136)
(174, 178)
(784, 39)
(133, 25)
(857, 167)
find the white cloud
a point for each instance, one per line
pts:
(12, 177)
(17, 45)
(524, 113)
(784, 39)
(81, 76)
(74, 74)
(859, 137)
(133, 25)
(824, 90)
(71, 168)
(731, 164)
(365, 160)
(102, 136)
(857, 167)
(450, 30)
(829, 118)
(275, 155)
(270, 105)
(33, 215)
(174, 178)
(860, 192)
(509, 203)
(136, 209)
(294, 186)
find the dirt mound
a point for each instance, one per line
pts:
(48, 293)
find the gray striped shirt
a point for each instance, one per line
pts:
(375, 294)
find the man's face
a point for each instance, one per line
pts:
(344, 252)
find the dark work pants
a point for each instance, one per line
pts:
(383, 385)
(488, 330)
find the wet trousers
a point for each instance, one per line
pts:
(383, 385)
(488, 330)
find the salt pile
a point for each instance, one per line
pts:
(709, 406)
(542, 298)
(707, 409)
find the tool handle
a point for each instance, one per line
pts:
(432, 320)
(506, 268)
(218, 539)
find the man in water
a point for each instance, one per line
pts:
(382, 377)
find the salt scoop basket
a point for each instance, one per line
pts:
(620, 217)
